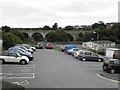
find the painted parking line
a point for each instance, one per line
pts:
(107, 78)
(17, 75)
(19, 66)
(25, 82)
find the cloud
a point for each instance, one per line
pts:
(36, 13)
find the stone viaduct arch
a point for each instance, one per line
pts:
(36, 33)
(73, 33)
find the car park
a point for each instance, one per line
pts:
(29, 55)
(111, 65)
(85, 55)
(13, 57)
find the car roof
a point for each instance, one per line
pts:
(85, 50)
(113, 59)
(74, 48)
(69, 47)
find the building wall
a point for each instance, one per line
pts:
(117, 54)
(87, 45)
(109, 53)
(96, 46)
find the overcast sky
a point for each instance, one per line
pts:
(37, 13)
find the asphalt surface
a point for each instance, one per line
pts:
(55, 69)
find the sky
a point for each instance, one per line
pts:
(38, 13)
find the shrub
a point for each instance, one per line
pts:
(10, 39)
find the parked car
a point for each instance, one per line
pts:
(14, 57)
(76, 53)
(18, 48)
(29, 46)
(67, 47)
(76, 50)
(111, 65)
(71, 51)
(29, 55)
(25, 48)
(39, 46)
(89, 56)
(21, 48)
(49, 46)
(62, 48)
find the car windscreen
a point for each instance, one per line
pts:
(18, 55)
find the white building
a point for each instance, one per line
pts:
(98, 45)
(112, 53)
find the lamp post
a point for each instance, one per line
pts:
(97, 39)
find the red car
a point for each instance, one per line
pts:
(111, 65)
(48, 46)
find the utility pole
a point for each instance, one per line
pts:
(97, 40)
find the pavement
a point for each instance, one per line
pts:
(115, 77)
(10, 86)
(55, 69)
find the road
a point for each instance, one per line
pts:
(55, 69)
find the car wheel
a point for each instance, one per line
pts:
(23, 62)
(84, 59)
(112, 71)
(2, 61)
(104, 68)
(99, 60)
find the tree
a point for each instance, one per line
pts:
(99, 25)
(46, 27)
(37, 37)
(55, 26)
(80, 37)
(69, 28)
(59, 36)
(10, 39)
(6, 28)
(22, 36)
(94, 26)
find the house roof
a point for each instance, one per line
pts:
(103, 42)
(112, 49)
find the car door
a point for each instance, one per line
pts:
(13, 57)
(6, 57)
(87, 55)
(94, 56)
